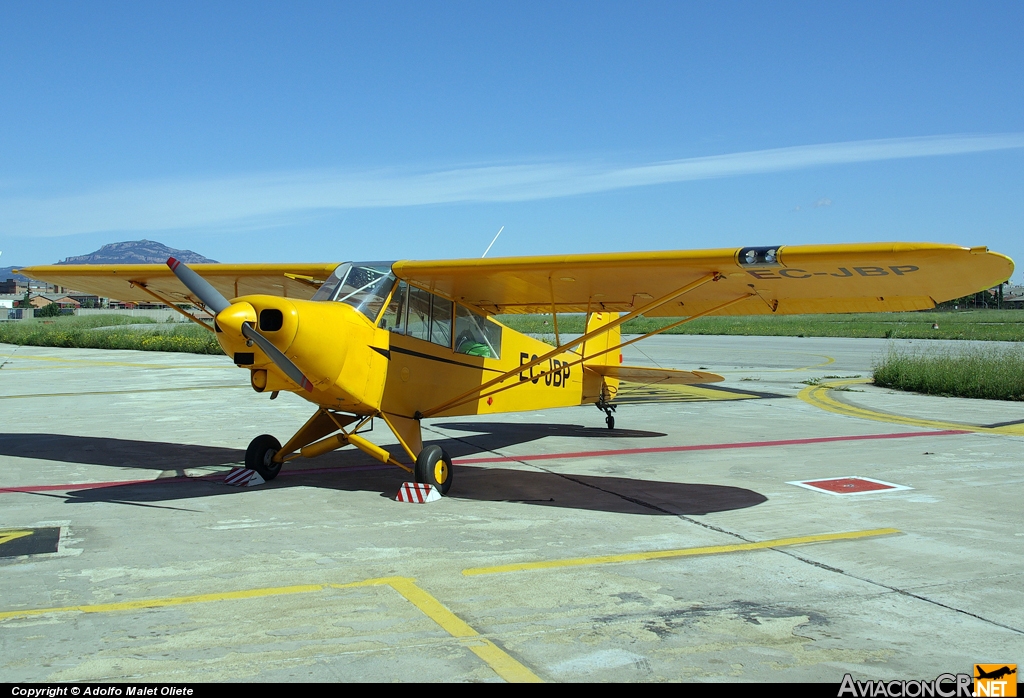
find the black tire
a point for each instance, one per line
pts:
(260, 456)
(434, 467)
(610, 421)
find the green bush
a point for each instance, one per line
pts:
(79, 332)
(51, 310)
(992, 373)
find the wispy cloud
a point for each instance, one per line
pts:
(268, 198)
(823, 202)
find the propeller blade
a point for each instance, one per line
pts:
(216, 303)
(200, 287)
(277, 356)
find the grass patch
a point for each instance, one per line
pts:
(991, 373)
(999, 325)
(79, 332)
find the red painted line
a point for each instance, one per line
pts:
(709, 447)
(507, 459)
(214, 477)
(83, 486)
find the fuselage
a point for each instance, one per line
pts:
(375, 344)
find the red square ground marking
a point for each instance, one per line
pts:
(849, 485)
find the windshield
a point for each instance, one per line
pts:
(363, 285)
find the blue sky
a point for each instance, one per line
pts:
(331, 131)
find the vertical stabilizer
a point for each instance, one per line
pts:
(595, 385)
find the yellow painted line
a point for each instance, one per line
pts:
(123, 392)
(8, 536)
(504, 665)
(828, 360)
(818, 396)
(680, 552)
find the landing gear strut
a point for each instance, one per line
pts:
(607, 408)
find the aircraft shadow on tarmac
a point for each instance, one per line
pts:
(158, 455)
(118, 453)
(351, 471)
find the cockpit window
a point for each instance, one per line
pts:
(364, 286)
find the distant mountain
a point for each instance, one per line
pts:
(137, 252)
(132, 252)
(8, 273)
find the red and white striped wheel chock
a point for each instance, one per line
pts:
(243, 477)
(417, 493)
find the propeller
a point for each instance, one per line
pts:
(214, 301)
(277, 356)
(199, 286)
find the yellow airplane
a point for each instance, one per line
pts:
(406, 340)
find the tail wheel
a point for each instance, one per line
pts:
(610, 421)
(434, 467)
(260, 456)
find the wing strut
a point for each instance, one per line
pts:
(170, 304)
(476, 392)
(554, 313)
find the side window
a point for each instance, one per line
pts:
(394, 316)
(475, 336)
(417, 323)
(441, 321)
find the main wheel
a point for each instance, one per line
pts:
(260, 456)
(610, 421)
(434, 467)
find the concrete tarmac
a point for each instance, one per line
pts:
(673, 548)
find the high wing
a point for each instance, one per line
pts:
(123, 281)
(785, 279)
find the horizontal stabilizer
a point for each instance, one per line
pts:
(662, 376)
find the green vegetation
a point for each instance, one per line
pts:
(1004, 325)
(71, 331)
(51, 310)
(992, 373)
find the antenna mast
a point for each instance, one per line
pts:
(492, 243)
